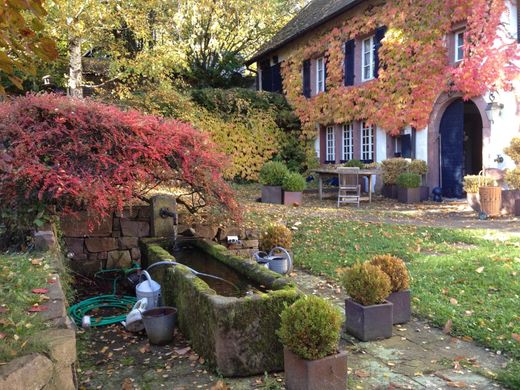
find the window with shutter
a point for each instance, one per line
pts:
(307, 78)
(276, 78)
(330, 139)
(349, 62)
(348, 142)
(367, 59)
(320, 75)
(378, 37)
(367, 142)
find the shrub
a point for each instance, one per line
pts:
(275, 235)
(513, 178)
(71, 154)
(355, 163)
(409, 180)
(373, 165)
(396, 270)
(471, 183)
(418, 166)
(366, 284)
(273, 173)
(297, 154)
(310, 328)
(513, 175)
(392, 168)
(294, 182)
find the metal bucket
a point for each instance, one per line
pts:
(159, 323)
(279, 264)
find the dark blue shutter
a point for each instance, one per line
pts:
(378, 37)
(307, 78)
(277, 78)
(349, 62)
(406, 146)
(325, 73)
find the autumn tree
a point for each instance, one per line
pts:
(21, 39)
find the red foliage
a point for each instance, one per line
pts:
(74, 154)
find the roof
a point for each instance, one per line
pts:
(311, 16)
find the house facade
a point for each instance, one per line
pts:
(460, 134)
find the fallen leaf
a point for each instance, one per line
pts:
(447, 327)
(357, 247)
(361, 374)
(457, 384)
(182, 351)
(516, 337)
(37, 261)
(453, 301)
(127, 384)
(479, 270)
(220, 385)
(3, 309)
(104, 349)
(40, 290)
(35, 309)
(2, 336)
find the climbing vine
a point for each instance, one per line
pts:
(414, 63)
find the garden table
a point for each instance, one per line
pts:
(333, 172)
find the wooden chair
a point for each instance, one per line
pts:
(349, 188)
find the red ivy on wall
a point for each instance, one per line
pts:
(414, 68)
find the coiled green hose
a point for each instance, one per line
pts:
(80, 309)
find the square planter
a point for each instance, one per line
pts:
(272, 194)
(329, 372)
(402, 310)
(291, 198)
(509, 201)
(389, 191)
(409, 195)
(425, 193)
(369, 323)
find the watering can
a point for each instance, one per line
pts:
(134, 319)
(275, 261)
(149, 289)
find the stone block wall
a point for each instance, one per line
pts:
(112, 243)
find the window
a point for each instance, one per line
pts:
(348, 144)
(331, 144)
(320, 75)
(459, 46)
(367, 142)
(367, 59)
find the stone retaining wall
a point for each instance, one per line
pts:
(53, 369)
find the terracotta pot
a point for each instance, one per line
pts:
(473, 200)
(409, 195)
(490, 200)
(329, 372)
(369, 323)
(509, 200)
(402, 311)
(389, 191)
(425, 193)
(291, 198)
(272, 194)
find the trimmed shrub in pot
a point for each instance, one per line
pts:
(310, 332)
(275, 234)
(271, 177)
(421, 168)
(408, 188)
(369, 315)
(391, 169)
(355, 163)
(293, 186)
(396, 270)
(511, 197)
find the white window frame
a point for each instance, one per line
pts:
(367, 142)
(347, 151)
(458, 56)
(320, 75)
(371, 58)
(330, 144)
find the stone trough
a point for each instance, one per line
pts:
(235, 334)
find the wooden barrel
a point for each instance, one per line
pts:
(490, 200)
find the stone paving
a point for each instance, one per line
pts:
(416, 357)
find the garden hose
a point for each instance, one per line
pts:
(81, 309)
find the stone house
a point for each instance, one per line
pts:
(462, 136)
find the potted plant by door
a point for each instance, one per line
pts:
(271, 177)
(408, 188)
(390, 170)
(310, 331)
(396, 270)
(511, 196)
(420, 168)
(369, 314)
(490, 195)
(293, 186)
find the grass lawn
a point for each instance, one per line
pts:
(19, 275)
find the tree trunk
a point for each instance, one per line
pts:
(75, 67)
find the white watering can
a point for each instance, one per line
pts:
(280, 263)
(149, 289)
(134, 319)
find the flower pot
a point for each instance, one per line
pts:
(272, 194)
(509, 200)
(389, 191)
(473, 200)
(402, 310)
(490, 200)
(291, 198)
(409, 195)
(329, 372)
(369, 322)
(425, 193)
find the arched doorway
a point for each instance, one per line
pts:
(461, 145)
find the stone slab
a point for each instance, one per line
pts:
(77, 225)
(61, 344)
(119, 259)
(128, 242)
(162, 227)
(31, 371)
(131, 228)
(101, 244)
(74, 245)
